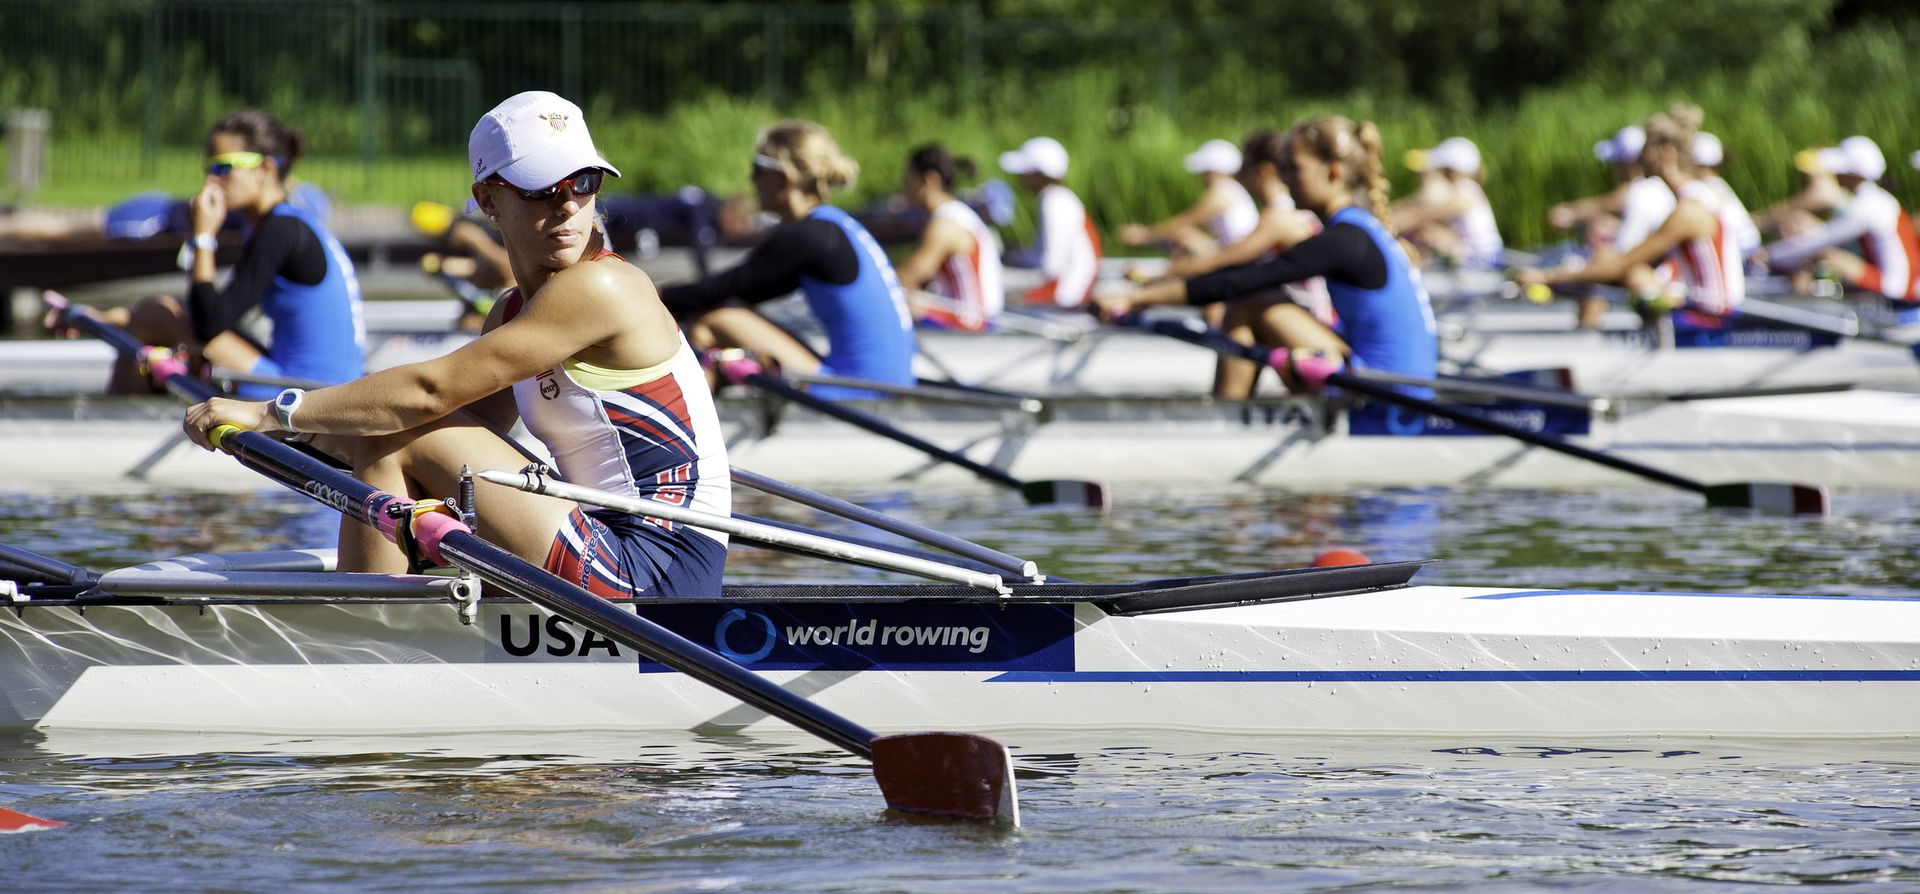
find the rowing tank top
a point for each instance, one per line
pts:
(1069, 250)
(1476, 227)
(649, 434)
(869, 328)
(1241, 216)
(971, 280)
(1390, 328)
(1890, 243)
(1710, 267)
(318, 332)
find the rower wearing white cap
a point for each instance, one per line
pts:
(1618, 220)
(1069, 246)
(1888, 261)
(833, 261)
(1449, 216)
(581, 350)
(1689, 264)
(1708, 156)
(1223, 214)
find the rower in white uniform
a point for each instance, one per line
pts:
(1449, 219)
(1068, 245)
(1224, 213)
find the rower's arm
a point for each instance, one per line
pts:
(1851, 224)
(940, 240)
(1689, 220)
(585, 308)
(279, 246)
(1276, 232)
(1212, 203)
(1566, 214)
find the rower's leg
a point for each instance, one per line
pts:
(156, 320)
(424, 463)
(740, 327)
(1233, 377)
(1291, 326)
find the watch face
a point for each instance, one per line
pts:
(288, 398)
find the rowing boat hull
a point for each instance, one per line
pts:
(1845, 439)
(1417, 660)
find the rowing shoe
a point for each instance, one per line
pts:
(948, 774)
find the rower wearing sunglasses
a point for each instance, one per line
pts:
(581, 350)
(291, 269)
(823, 252)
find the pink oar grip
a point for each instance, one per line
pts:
(162, 364)
(1313, 369)
(429, 528)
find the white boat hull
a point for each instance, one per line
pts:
(1844, 439)
(1418, 660)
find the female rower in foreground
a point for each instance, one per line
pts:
(290, 267)
(957, 249)
(821, 250)
(1332, 167)
(582, 350)
(1691, 263)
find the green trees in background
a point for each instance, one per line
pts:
(677, 91)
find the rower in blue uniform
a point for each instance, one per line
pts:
(1332, 167)
(290, 268)
(849, 284)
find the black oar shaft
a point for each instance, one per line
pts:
(870, 423)
(43, 569)
(854, 512)
(1213, 339)
(524, 579)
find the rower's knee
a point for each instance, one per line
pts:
(158, 320)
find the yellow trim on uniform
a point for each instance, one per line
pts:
(600, 378)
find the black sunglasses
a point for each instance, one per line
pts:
(584, 182)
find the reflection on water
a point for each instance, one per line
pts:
(1105, 812)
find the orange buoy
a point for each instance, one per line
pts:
(1335, 557)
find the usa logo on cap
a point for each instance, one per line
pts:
(556, 120)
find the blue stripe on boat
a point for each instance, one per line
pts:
(1465, 676)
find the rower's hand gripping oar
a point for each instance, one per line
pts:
(1061, 491)
(1781, 498)
(940, 773)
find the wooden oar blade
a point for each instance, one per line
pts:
(15, 821)
(1773, 498)
(1065, 492)
(957, 775)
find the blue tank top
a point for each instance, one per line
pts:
(1390, 328)
(318, 332)
(869, 328)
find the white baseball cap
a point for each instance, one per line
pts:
(1453, 154)
(1623, 146)
(1214, 157)
(1914, 159)
(1040, 155)
(1707, 151)
(1856, 155)
(533, 140)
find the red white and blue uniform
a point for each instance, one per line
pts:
(649, 434)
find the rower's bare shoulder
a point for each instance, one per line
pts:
(610, 279)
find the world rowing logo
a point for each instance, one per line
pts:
(556, 120)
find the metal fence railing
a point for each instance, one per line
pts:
(130, 82)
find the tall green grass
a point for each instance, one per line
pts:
(1126, 157)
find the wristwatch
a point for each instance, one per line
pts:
(206, 242)
(285, 403)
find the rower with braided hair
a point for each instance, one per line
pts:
(1332, 167)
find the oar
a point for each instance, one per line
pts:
(930, 391)
(1060, 491)
(1783, 498)
(533, 480)
(940, 773)
(992, 558)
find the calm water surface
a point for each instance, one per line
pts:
(1107, 812)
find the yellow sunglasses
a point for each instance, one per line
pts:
(223, 164)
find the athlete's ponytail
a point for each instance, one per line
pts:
(1357, 147)
(1674, 131)
(263, 133)
(933, 158)
(810, 156)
